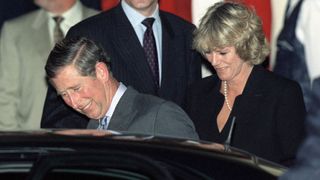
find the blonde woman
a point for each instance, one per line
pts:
(268, 109)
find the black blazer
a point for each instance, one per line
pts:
(112, 29)
(269, 114)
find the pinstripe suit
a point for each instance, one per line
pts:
(112, 29)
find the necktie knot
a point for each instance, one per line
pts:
(58, 19)
(148, 22)
(103, 123)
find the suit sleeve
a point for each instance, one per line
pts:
(194, 64)
(172, 121)
(290, 118)
(9, 79)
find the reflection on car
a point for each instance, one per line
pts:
(94, 154)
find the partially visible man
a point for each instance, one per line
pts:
(79, 71)
(121, 32)
(298, 52)
(308, 158)
(25, 44)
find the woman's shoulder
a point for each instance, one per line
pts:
(276, 80)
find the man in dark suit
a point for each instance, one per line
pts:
(79, 70)
(308, 158)
(120, 32)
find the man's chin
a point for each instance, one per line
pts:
(92, 116)
(87, 114)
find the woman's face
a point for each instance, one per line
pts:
(228, 65)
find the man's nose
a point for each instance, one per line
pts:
(74, 100)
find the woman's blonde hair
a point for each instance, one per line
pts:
(232, 24)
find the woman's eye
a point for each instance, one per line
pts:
(206, 52)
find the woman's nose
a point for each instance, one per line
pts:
(212, 58)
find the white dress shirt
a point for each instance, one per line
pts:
(70, 18)
(115, 100)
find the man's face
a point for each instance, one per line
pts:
(85, 94)
(54, 6)
(143, 6)
(46, 4)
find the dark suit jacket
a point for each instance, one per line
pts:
(146, 114)
(269, 114)
(308, 163)
(112, 29)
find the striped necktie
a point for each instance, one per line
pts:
(103, 123)
(57, 31)
(150, 49)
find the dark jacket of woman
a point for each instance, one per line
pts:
(269, 114)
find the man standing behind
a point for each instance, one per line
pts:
(155, 58)
(79, 70)
(308, 158)
(25, 44)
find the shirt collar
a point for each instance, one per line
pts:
(135, 17)
(71, 16)
(116, 98)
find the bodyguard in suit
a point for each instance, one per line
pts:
(78, 69)
(121, 34)
(24, 47)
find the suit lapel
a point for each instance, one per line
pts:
(131, 50)
(168, 46)
(211, 100)
(125, 112)
(41, 34)
(249, 102)
(87, 12)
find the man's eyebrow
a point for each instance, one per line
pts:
(59, 93)
(72, 87)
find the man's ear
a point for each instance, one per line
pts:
(102, 71)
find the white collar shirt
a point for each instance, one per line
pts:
(136, 18)
(70, 18)
(115, 100)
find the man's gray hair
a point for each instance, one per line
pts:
(80, 52)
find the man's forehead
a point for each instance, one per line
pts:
(67, 71)
(62, 86)
(67, 77)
